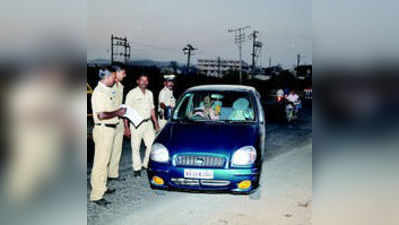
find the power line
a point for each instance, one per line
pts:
(116, 44)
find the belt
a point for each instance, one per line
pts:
(107, 125)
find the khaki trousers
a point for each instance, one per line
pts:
(144, 132)
(113, 168)
(162, 123)
(103, 140)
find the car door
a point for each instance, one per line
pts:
(262, 124)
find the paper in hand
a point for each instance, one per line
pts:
(132, 115)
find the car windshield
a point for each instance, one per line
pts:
(216, 106)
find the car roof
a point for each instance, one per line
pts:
(222, 87)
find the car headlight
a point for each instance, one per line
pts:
(159, 153)
(244, 156)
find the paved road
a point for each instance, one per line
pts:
(285, 192)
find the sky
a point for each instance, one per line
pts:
(158, 30)
(340, 31)
(26, 25)
(358, 32)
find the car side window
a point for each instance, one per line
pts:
(183, 107)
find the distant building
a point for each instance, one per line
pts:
(219, 67)
(303, 71)
(273, 70)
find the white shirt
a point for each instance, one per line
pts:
(103, 85)
(292, 98)
(143, 103)
(166, 97)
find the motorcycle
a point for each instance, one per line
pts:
(288, 110)
(292, 110)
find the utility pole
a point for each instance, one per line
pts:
(256, 46)
(116, 44)
(254, 35)
(187, 51)
(239, 38)
(219, 75)
(298, 59)
(270, 61)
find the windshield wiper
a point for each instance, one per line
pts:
(213, 121)
(200, 121)
(239, 121)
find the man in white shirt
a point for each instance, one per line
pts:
(166, 100)
(142, 100)
(292, 97)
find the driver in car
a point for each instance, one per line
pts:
(206, 109)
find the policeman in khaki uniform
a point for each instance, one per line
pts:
(166, 99)
(106, 113)
(113, 168)
(142, 100)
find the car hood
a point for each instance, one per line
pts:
(216, 138)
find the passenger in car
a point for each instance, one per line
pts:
(217, 105)
(241, 110)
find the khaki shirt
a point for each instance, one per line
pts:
(166, 96)
(104, 99)
(142, 103)
(118, 88)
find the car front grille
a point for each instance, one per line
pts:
(200, 161)
(194, 182)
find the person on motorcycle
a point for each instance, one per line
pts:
(280, 95)
(293, 98)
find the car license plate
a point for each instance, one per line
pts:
(199, 174)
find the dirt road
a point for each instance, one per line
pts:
(286, 195)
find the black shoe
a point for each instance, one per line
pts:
(102, 202)
(110, 191)
(137, 173)
(115, 179)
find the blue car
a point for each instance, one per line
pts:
(214, 141)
